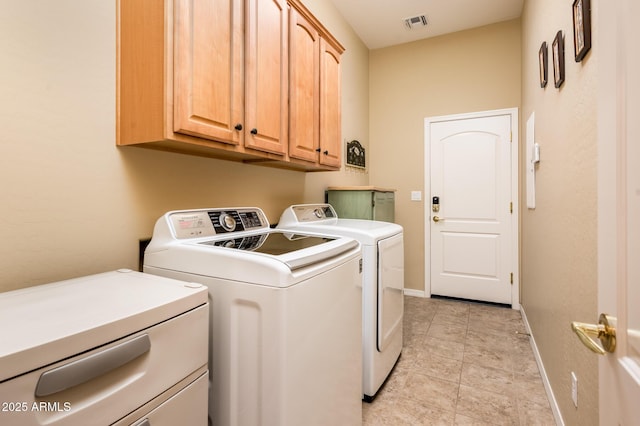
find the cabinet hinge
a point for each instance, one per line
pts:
(511, 279)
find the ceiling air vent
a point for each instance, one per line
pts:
(415, 22)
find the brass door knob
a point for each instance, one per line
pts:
(605, 331)
(437, 219)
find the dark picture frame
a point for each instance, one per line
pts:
(558, 59)
(581, 28)
(543, 61)
(356, 155)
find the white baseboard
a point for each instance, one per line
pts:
(545, 380)
(414, 293)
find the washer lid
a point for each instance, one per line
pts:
(43, 324)
(273, 243)
(295, 250)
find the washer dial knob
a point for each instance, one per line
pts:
(227, 222)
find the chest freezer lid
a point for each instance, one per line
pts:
(44, 324)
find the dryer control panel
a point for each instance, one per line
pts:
(313, 212)
(209, 222)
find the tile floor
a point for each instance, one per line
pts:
(462, 364)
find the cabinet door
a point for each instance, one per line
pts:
(208, 61)
(304, 85)
(266, 75)
(330, 122)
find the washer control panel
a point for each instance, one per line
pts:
(208, 222)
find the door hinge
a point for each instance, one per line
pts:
(511, 279)
(511, 207)
(511, 136)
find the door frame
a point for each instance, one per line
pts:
(515, 222)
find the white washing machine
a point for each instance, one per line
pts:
(383, 286)
(119, 348)
(286, 315)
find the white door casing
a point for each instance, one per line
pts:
(471, 243)
(619, 206)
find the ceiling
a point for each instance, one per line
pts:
(381, 23)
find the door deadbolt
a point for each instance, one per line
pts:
(435, 204)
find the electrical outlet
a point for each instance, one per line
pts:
(574, 388)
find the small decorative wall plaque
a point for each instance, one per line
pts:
(355, 154)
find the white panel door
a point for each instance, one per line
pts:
(470, 163)
(619, 207)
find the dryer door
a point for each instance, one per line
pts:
(390, 289)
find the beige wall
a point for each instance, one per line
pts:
(558, 238)
(71, 203)
(468, 71)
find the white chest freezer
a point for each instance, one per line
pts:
(121, 348)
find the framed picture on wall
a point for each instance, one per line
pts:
(558, 59)
(355, 155)
(581, 28)
(543, 61)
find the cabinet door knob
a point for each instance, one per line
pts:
(326, 153)
(318, 150)
(238, 127)
(254, 131)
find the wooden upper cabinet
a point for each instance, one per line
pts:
(330, 111)
(304, 84)
(231, 79)
(314, 91)
(140, 85)
(266, 75)
(230, 72)
(207, 70)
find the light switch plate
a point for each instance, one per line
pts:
(416, 195)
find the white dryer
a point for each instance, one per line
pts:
(286, 315)
(383, 285)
